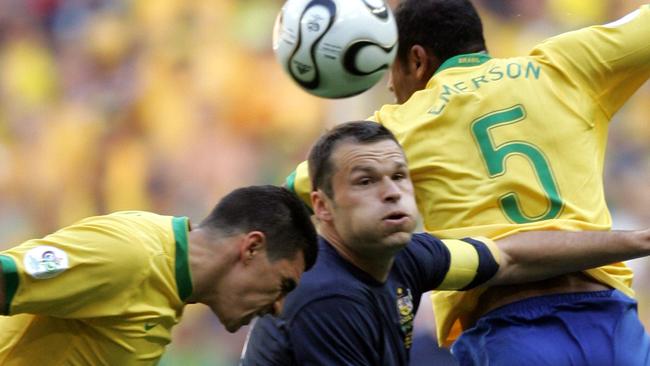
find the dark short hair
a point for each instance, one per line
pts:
(320, 164)
(445, 28)
(276, 212)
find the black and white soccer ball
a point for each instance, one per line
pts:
(335, 48)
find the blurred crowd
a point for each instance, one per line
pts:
(166, 105)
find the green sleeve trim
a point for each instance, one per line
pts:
(290, 182)
(10, 272)
(183, 276)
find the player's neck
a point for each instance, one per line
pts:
(378, 266)
(206, 265)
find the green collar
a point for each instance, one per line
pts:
(183, 276)
(465, 60)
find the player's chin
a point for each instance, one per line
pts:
(232, 328)
(235, 325)
(398, 239)
(399, 230)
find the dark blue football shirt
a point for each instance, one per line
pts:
(340, 315)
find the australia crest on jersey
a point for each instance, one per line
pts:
(406, 316)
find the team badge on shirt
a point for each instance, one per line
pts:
(405, 308)
(45, 262)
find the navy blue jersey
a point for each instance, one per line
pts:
(340, 315)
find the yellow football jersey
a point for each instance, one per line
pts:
(104, 291)
(497, 146)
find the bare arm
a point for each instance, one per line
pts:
(537, 255)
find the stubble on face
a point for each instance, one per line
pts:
(374, 207)
(253, 290)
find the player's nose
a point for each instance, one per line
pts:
(391, 191)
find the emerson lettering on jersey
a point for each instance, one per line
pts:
(512, 70)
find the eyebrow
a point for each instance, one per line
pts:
(288, 285)
(362, 168)
(366, 168)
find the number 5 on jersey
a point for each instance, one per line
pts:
(495, 160)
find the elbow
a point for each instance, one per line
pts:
(507, 272)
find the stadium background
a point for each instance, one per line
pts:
(166, 105)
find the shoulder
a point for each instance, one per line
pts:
(423, 246)
(424, 239)
(121, 243)
(330, 278)
(331, 284)
(340, 314)
(142, 220)
(267, 344)
(422, 264)
(97, 239)
(123, 223)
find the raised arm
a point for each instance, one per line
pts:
(537, 255)
(609, 62)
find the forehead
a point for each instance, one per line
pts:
(349, 155)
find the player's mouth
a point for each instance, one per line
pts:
(246, 320)
(396, 218)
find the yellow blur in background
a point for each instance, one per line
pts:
(167, 105)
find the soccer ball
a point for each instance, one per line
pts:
(335, 48)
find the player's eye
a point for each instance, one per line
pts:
(363, 181)
(288, 285)
(400, 174)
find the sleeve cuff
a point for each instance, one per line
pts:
(10, 272)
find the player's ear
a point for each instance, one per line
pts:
(252, 245)
(321, 205)
(422, 62)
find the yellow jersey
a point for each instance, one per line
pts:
(501, 145)
(104, 291)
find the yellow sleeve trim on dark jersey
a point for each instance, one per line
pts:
(10, 272)
(472, 263)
